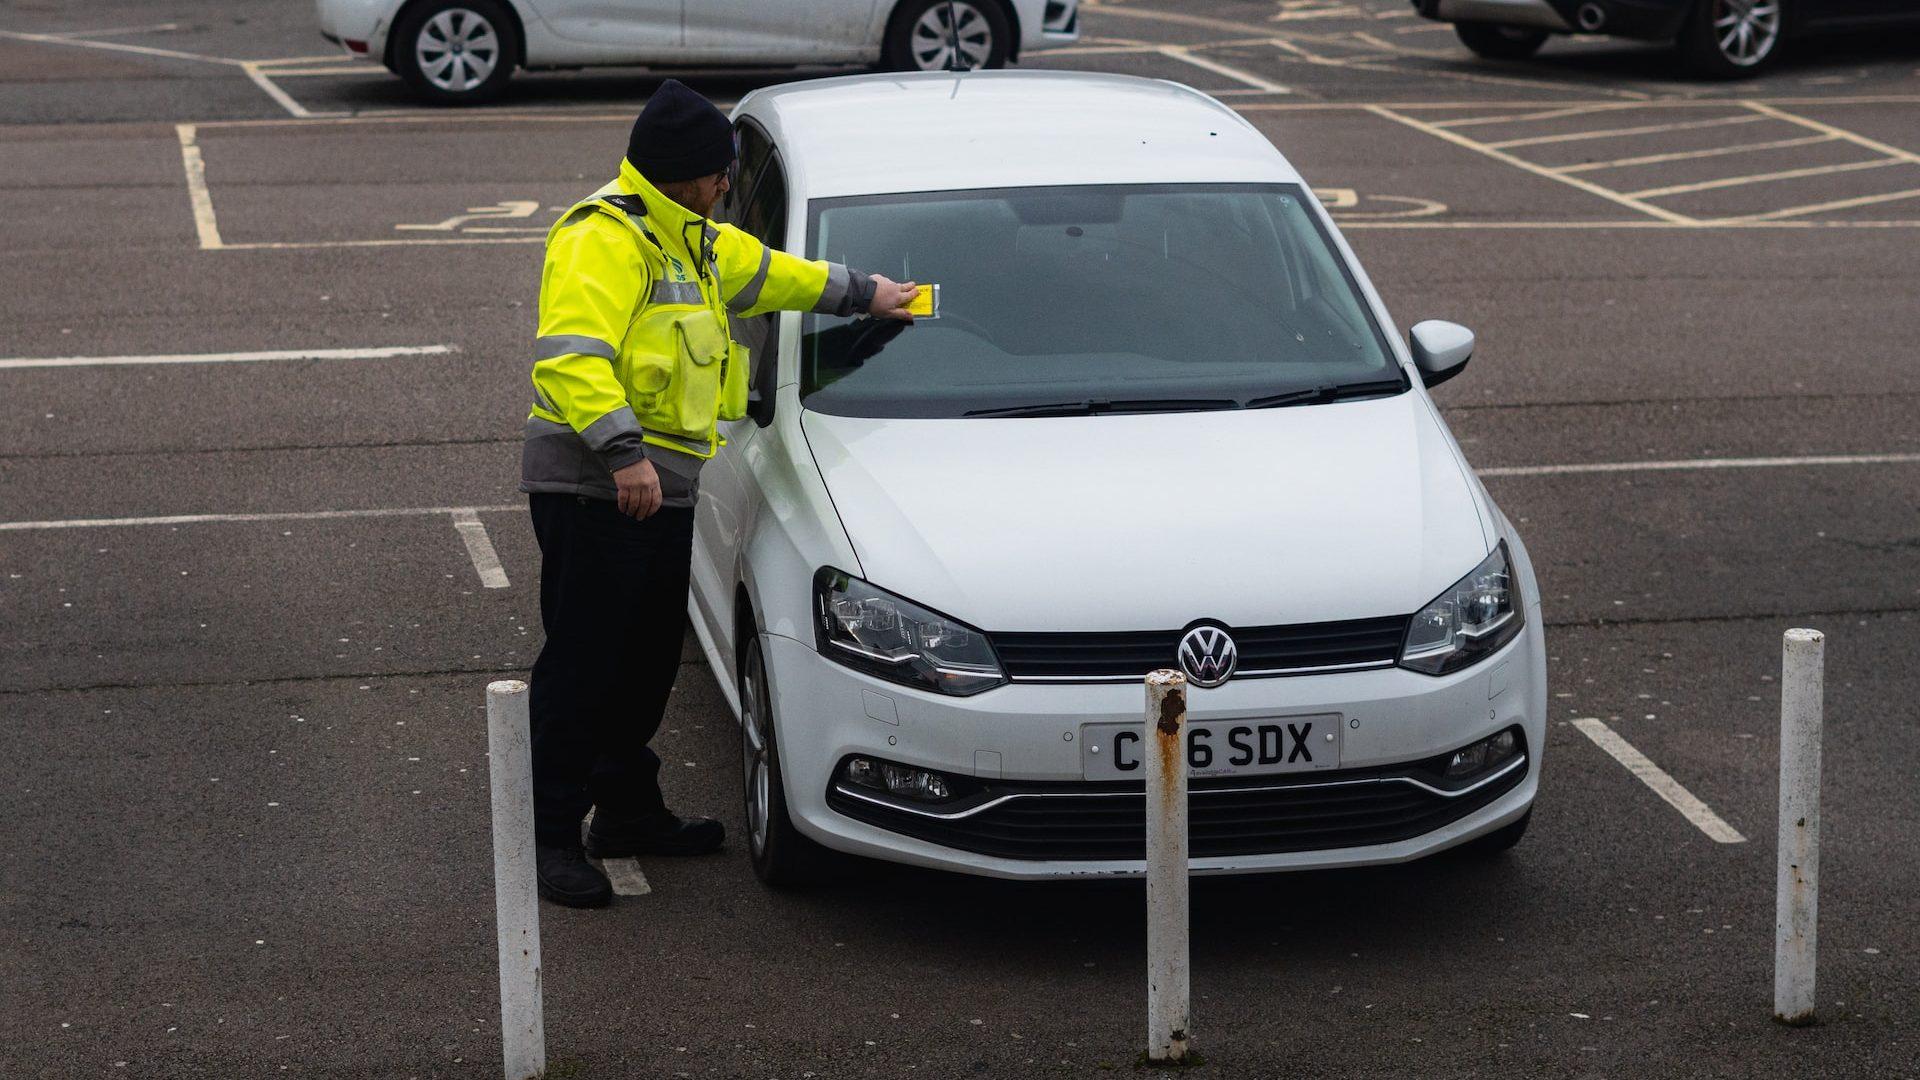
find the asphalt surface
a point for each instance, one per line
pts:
(243, 802)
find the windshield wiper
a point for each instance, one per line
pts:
(1091, 406)
(1314, 395)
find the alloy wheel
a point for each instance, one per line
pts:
(457, 49)
(755, 767)
(931, 43)
(1746, 31)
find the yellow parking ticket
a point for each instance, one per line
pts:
(926, 305)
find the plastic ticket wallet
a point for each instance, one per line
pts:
(927, 304)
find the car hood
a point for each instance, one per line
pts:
(1148, 522)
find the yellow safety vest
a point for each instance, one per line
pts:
(633, 317)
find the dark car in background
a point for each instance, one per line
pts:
(1717, 38)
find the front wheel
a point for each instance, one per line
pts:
(1730, 39)
(781, 855)
(1500, 42)
(922, 35)
(455, 52)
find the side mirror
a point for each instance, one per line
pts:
(1440, 350)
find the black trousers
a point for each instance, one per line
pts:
(613, 601)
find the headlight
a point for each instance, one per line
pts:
(1482, 612)
(875, 631)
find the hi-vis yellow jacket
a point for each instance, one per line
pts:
(633, 351)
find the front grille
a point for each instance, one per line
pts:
(1262, 649)
(1247, 816)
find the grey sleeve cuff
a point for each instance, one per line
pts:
(622, 450)
(848, 292)
(860, 288)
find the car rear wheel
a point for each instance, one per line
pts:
(1500, 42)
(456, 52)
(921, 35)
(1729, 39)
(781, 855)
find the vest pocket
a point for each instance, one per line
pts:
(691, 400)
(733, 388)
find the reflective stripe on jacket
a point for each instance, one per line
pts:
(633, 350)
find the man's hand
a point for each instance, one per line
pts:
(890, 298)
(639, 490)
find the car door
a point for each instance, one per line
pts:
(615, 26)
(725, 508)
(755, 30)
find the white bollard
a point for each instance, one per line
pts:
(1167, 1003)
(516, 903)
(1797, 908)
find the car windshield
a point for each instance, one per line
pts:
(1058, 300)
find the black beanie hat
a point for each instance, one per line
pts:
(679, 136)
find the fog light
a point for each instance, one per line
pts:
(1483, 755)
(899, 780)
(1468, 761)
(1501, 747)
(865, 773)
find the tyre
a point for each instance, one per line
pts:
(1500, 839)
(456, 52)
(919, 37)
(781, 855)
(1500, 42)
(1731, 39)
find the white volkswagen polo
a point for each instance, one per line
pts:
(1159, 419)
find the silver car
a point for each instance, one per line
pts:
(462, 51)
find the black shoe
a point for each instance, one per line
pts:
(655, 834)
(566, 877)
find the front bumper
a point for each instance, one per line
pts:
(1022, 740)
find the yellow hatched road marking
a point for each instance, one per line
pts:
(1688, 155)
(1538, 170)
(1613, 133)
(1765, 109)
(1761, 178)
(1550, 114)
(1816, 208)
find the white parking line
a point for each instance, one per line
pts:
(116, 46)
(626, 877)
(380, 353)
(225, 519)
(272, 89)
(486, 562)
(197, 194)
(1181, 54)
(1701, 464)
(1690, 807)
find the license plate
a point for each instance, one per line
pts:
(1218, 747)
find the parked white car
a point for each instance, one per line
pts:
(1159, 420)
(461, 51)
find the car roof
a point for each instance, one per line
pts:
(936, 131)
